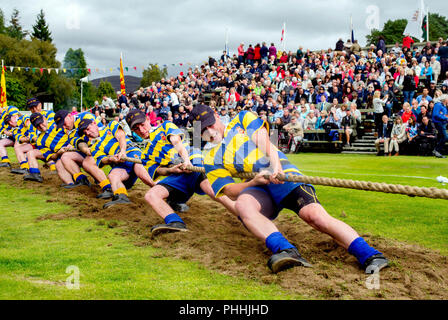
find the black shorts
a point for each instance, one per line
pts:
(180, 196)
(297, 199)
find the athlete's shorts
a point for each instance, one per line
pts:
(296, 199)
(182, 186)
(129, 167)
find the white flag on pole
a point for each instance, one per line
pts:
(85, 79)
(414, 26)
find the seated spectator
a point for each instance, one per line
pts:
(331, 125)
(295, 133)
(407, 112)
(225, 118)
(384, 132)
(426, 137)
(412, 134)
(398, 136)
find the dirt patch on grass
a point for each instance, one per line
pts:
(217, 240)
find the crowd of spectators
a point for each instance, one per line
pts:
(304, 93)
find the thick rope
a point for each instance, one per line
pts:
(412, 191)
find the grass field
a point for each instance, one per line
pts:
(35, 253)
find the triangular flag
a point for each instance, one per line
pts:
(11, 68)
(41, 70)
(49, 70)
(57, 71)
(18, 68)
(111, 70)
(64, 70)
(135, 68)
(89, 70)
(126, 68)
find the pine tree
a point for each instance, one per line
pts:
(2, 22)
(14, 30)
(41, 30)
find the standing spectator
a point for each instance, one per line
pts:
(427, 73)
(272, 52)
(440, 120)
(257, 54)
(408, 41)
(349, 124)
(378, 108)
(241, 53)
(385, 129)
(264, 51)
(398, 136)
(381, 46)
(250, 55)
(121, 98)
(436, 68)
(409, 87)
(443, 54)
(339, 45)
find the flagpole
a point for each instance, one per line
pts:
(427, 23)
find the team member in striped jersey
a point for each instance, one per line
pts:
(19, 125)
(73, 161)
(6, 130)
(166, 143)
(51, 143)
(108, 145)
(244, 146)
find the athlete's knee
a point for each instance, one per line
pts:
(315, 215)
(244, 207)
(152, 197)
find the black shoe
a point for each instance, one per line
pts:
(170, 227)
(179, 207)
(287, 259)
(375, 263)
(117, 199)
(83, 182)
(20, 171)
(33, 177)
(106, 194)
(438, 155)
(5, 165)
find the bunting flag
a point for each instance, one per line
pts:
(3, 102)
(122, 85)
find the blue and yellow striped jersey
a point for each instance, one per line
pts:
(33, 133)
(161, 152)
(8, 110)
(238, 153)
(73, 135)
(23, 125)
(51, 141)
(107, 145)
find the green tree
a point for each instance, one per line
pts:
(153, 74)
(2, 22)
(41, 30)
(14, 30)
(15, 93)
(105, 89)
(393, 30)
(74, 60)
(50, 87)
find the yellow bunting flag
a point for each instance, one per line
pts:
(122, 86)
(3, 102)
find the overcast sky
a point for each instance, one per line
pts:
(188, 31)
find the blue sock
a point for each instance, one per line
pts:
(277, 242)
(173, 218)
(361, 250)
(34, 170)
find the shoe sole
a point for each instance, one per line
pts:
(33, 180)
(17, 172)
(105, 198)
(288, 263)
(161, 230)
(115, 204)
(385, 264)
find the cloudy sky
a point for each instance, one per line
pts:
(188, 31)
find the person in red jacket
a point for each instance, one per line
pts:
(250, 54)
(407, 41)
(257, 55)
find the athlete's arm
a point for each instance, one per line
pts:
(180, 148)
(121, 137)
(234, 190)
(84, 148)
(261, 140)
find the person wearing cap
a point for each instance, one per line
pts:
(6, 130)
(20, 128)
(74, 161)
(244, 146)
(168, 147)
(108, 146)
(50, 143)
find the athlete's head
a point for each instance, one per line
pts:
(89, 128)
(65, 120)
(11, 119)
(139, 123)
(39, 122)
(34, 105)
(212, 129)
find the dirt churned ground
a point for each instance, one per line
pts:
(217, 240)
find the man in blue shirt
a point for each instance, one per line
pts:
(440, 120)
